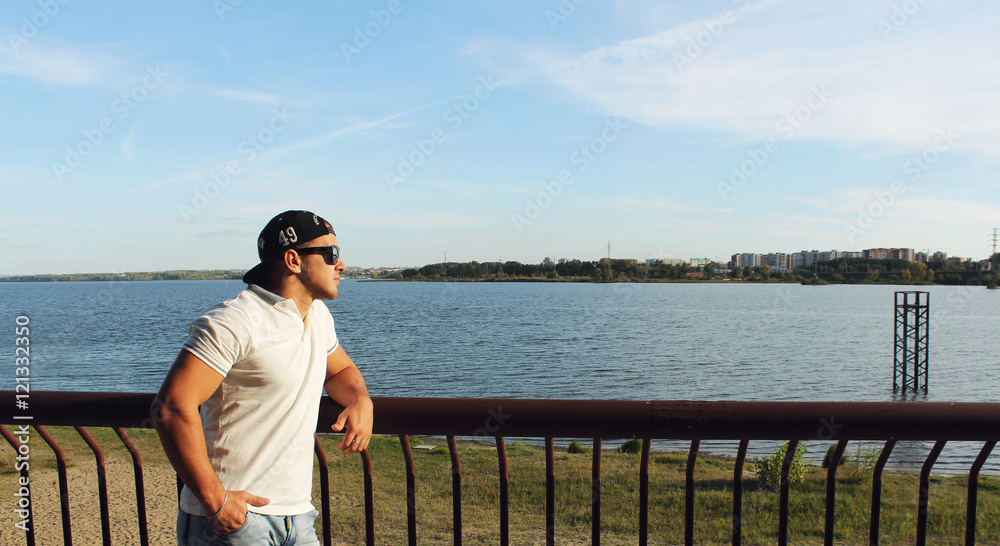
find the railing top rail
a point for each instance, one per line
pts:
(667, 419)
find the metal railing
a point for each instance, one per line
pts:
(497, 419)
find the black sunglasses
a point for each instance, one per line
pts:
(330, 253)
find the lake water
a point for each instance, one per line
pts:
(541, 340)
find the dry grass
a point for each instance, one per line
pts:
(480, 497)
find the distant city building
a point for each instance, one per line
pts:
(927, 258)
(699, 262)
(890, 254)
(778, 262)
(750, 260)
(806, 258)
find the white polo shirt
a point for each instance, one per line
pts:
(259, 423)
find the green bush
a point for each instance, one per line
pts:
(861, 466)
(633, 445)
(857, 467)
(769, 468)
(518, 449)
(576, 447)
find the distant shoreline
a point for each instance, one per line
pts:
(237, 275)
(204, 276)
(174, 275)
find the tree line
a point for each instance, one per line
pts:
(178, 275)
(843, 270)
(604, 269)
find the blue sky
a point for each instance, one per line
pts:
(488, 130)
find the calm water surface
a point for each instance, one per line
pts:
(535, 340)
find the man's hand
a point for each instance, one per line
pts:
(356, 423)
(234, 513)
(345, 385)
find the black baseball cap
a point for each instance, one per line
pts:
(286, 230)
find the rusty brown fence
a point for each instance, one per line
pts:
(495, 419)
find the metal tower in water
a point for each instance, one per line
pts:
(910, 368)
(993, 257)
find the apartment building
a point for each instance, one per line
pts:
(890, 254)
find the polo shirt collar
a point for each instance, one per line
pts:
(278, 302)
(269, 297)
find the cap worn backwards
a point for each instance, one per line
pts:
(286, 230)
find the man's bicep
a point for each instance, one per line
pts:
(190, 381)
(337, 361)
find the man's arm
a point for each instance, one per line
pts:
(190, 383)
(345, 384)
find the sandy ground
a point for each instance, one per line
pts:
(84, 507)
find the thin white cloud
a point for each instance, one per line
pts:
(242, 235)
(829, 64)
(913, 205)
(813, 203)
(424, 221)
(629, 203)
(302, 145)
(689, 225)
(954, 211)
(58, 64)
(336, 134)
(797, 221)
(249, 95)
(126, 145)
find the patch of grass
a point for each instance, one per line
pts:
(519, 449)
(480, 495)
(671, 459)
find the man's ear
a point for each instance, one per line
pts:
(292, 261)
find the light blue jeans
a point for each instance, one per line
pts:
(257, 530)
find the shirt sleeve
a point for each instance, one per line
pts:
(220, 337)
(331, 334)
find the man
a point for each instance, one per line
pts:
(256, 365)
